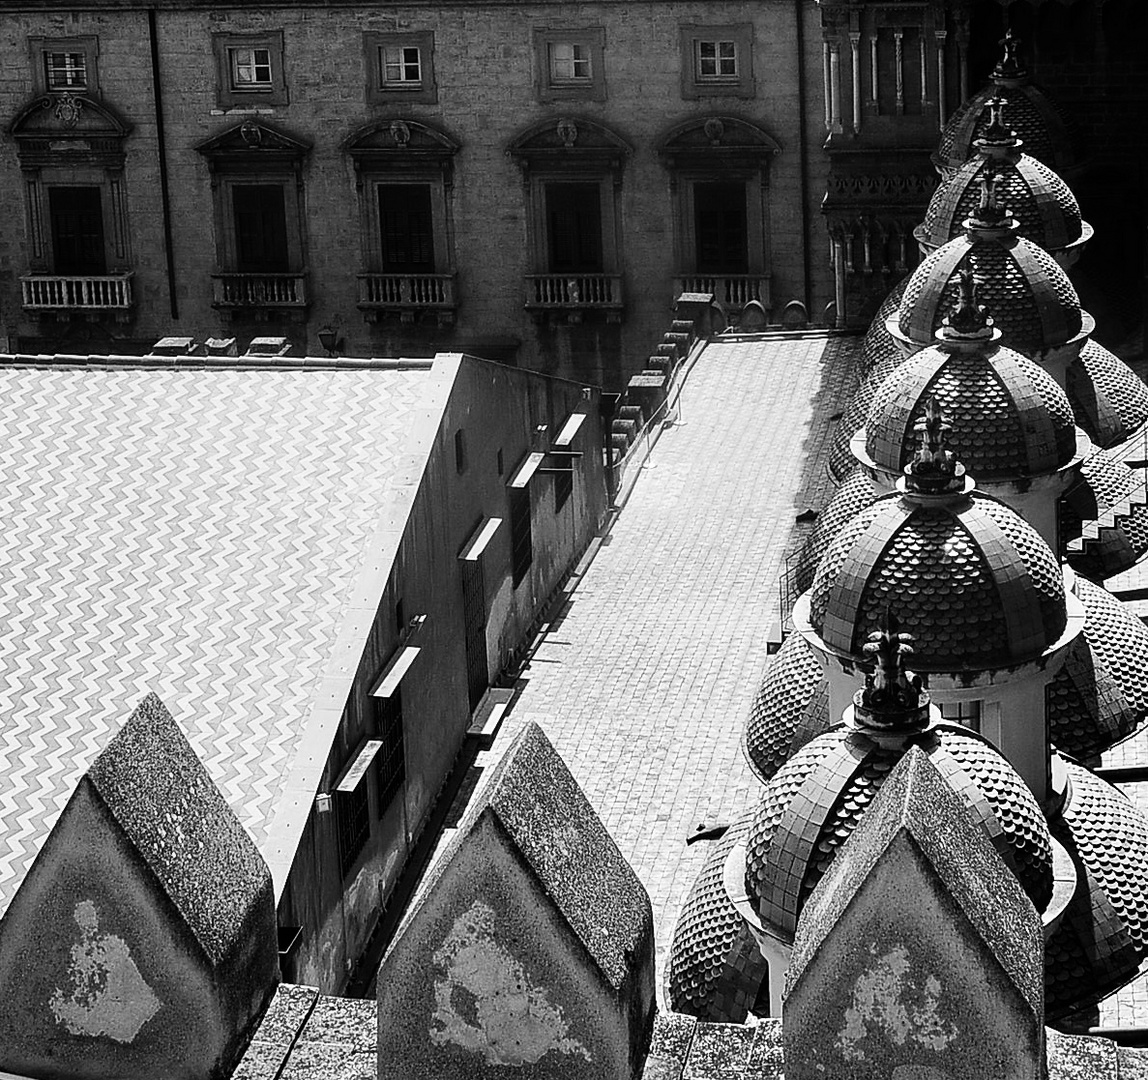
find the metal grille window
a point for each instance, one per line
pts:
(717, 59)
(392, 756)
(66, 70)
(570, 62)
(250, 69)
(401, 65)
(354, 821)
(521, 540)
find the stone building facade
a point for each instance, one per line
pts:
(533, 184)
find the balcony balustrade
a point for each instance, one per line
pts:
(408, 295)
(66, 293)
(257, 291)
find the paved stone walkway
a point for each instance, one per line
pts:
(645, 679)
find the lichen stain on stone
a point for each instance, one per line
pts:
(108, 995)
(919, 1072)
(892, 1001)
(485, 1002)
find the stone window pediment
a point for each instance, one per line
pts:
(71, 127)
(711, 140)
(254, 145)
(401, 144)
(570, 143)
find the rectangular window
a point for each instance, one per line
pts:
(250, 69)
(354, 820)
(967, 713)
(77, 227)
(392, 757)
(66, 71)
(260, 229)
(716, 59)
(570, 62)
(574, 228)
(406, 228)
(521, 540)
(720, 228)
(401, 65)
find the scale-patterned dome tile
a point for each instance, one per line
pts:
(1111, 836)
(932, 574)
(855, 493)
(841, 459)
(878, 343)
(861, 769)
(791, 702)
(1044, 128)
(1100, 695)
(1029, 296)
(1042, 203)
(1110, 400)
(708, 929)
(1007, 416)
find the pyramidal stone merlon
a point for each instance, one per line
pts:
(142, 942)
(531, 947)
(918, 955)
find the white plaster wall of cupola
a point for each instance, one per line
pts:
(1034, 498)
(773, 949)
(1011, 697)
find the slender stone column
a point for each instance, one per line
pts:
(835, 87)
(924, 72)
(899, 65)
(828, 85)
(873, 70)
(855, 45)
(942, 112)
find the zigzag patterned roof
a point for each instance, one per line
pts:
(199, 534)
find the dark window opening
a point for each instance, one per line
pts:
(460, 451)
(720, 228)
(474, 619)
(353, 813)
(407, 229)
(66, 70)
(563, 488)
(521, 541)
(77, 230)
(498, 462)
(260, 229)
(574, 228)
(392, 756)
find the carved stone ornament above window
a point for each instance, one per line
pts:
(394, 144)
(570, 143)
(69, 129)
(708, 141)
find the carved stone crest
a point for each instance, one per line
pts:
(251, 134)
(714, 129)
(401, 133)
(67, 108)
(567, 131)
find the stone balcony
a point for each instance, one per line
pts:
(260, 294)
(408, 295)
(573, 295)
(77, 294)
(732, 290)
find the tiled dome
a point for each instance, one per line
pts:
(1043, 205)
(855, 493)
(973, 583)
(1033, 303)
(811, 807)
(880, 356)
(710, 932)
(1103, 938)
(1100, 695)
(1110, 400)
(791, 707)
(1046, 131)
(1007, 416)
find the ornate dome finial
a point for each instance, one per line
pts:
(968, 318)
(997, 139)
(933, 470)
(1010, 66)
(893, 696)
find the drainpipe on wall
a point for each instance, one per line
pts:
(161, 153)
(803, 151)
